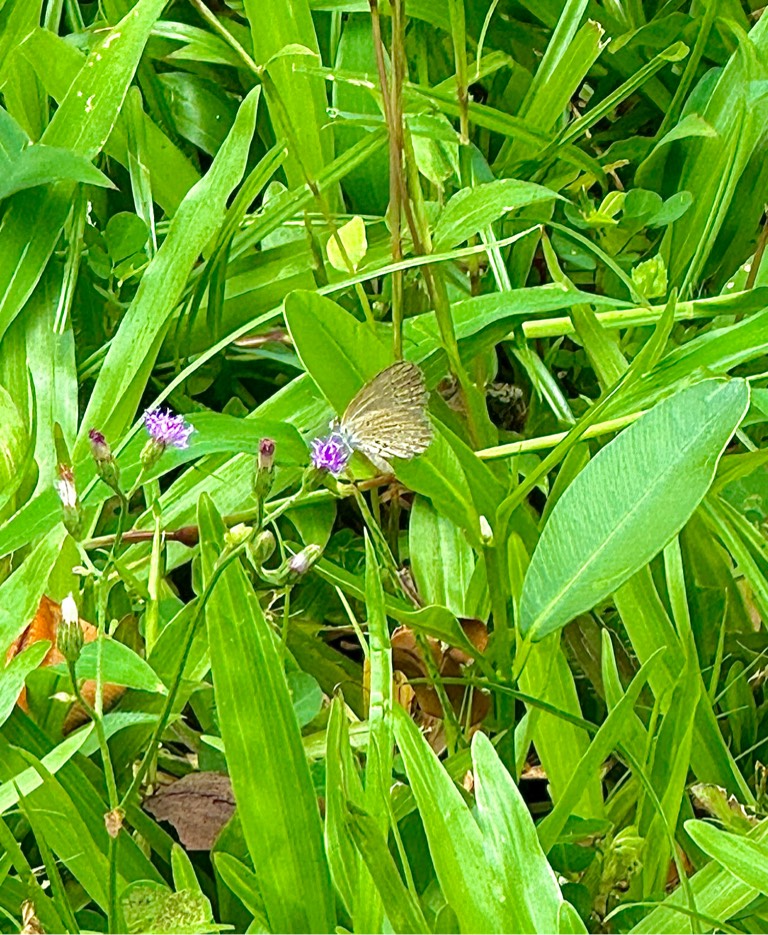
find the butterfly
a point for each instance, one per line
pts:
(386, 419)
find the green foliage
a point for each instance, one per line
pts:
(513, 684)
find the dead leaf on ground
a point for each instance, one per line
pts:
(449, 662)
(44, 626)
(198, 806)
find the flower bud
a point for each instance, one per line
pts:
(70, 503)
(151, 454)
(106, 466)
(486, 533)
(300, 563)
(265, 468)
(69, 633)
(263, 547)
(187, 535)
(237, 535)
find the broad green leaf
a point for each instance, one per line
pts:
(569, 921)
(441, 558)
(66, 830)
(403, 912)
(628, 502)
(29, 779)
(343, 786)
(270, 776)
(306, 696)
(39, 164)
(243, 883)
(717, 893)
(352, 237)
(57, 63)
(561, 745)
(473, 209)
(20, 594)
(367, 188)
(745, 858)
(713, 165)
(467, 878)
(668, 774)
(299, 99)
(511, 844)
(15, 450)
(125, 233)
(119, 665)
(608, 737)
(649, 628)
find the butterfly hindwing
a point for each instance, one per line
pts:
(388, 417)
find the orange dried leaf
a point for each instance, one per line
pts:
(44, 626)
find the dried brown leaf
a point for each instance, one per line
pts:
(198, 806)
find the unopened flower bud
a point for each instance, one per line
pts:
(106, 466)
(263, 547)
(70, 504)
(265, 468)
(237, 535)
(69, 633)
(486, 533)
(300, 563)
(187, 535)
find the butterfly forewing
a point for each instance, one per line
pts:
(388, 417)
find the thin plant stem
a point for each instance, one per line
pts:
(551, 441)
(459, 35)
(96, 716)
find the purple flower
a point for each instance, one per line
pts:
(165, 428)
(331, 453)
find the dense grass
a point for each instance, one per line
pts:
(517, 683)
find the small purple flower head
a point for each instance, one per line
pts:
(331, 453)
(165, 428)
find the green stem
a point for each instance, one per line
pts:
(284, 627)
(113, 909)
(498, 596)
(459, 34)
(551, 441)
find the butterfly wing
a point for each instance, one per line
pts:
(388, 417)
